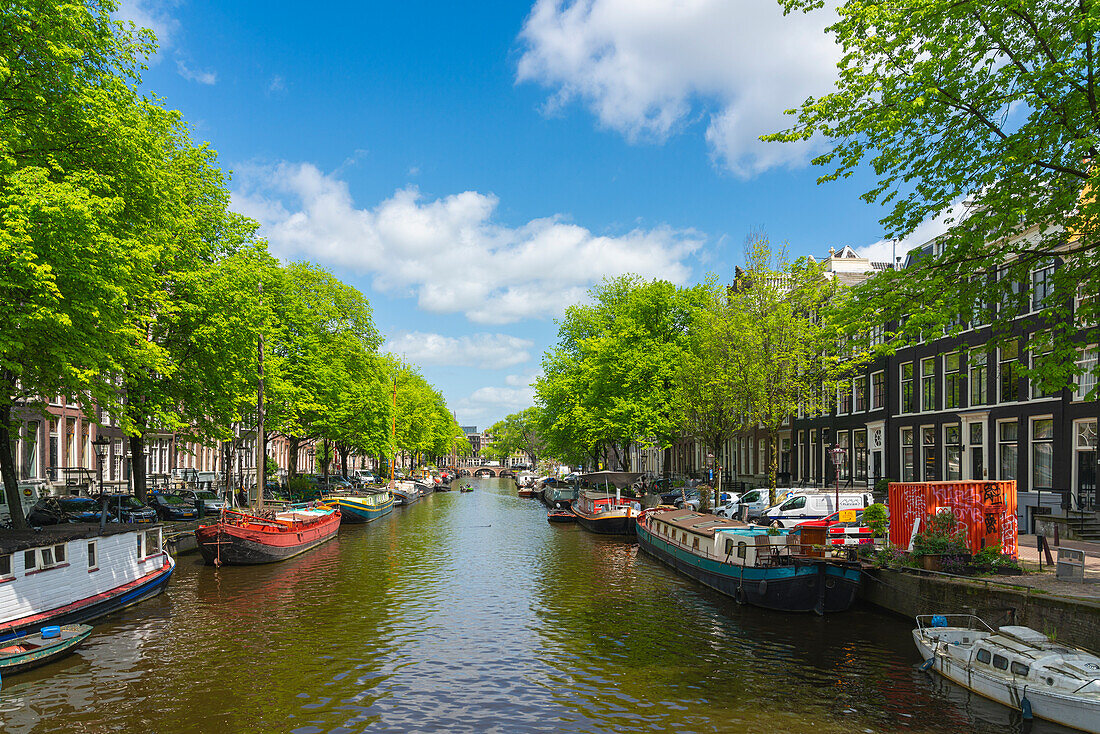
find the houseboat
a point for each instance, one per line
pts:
(604, 513)
(773, 571)
(244, 539)
(1016, 666)
(72, 573)
(557, 494)
(362, 506)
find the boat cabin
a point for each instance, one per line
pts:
(593, 503)
(720, 539)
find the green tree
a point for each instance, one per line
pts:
(72, 154)
(775, 351)
(517, 433)
(989, 105)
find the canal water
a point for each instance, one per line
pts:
(469, 612)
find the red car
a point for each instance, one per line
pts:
(842, 533)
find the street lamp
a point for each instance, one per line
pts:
(101, 444)
(839, 454)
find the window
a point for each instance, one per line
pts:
(47, 557)
(30, 560)
(1041, 344)
(979, 378)
(844, 397)
(1020, 669)
(794, 503)
(952, 451)
(1000, 662)
(1006, 449)
(876, 335)
(878, 390)
(952, 381)
(1086, 380)
(152, 542)
(695, 542)
(729, 547)
(742, 549)
(1010, 378)
(908, 404)
(59, 553)
(5, 566)
(1042, 453)
(92, 563)
(984, 656)
(141, 545)
(842, 440)
(762, 454)
(928, 449)
(859, 444)
(1042, 284)
(928, 383)
(860, 384)
(908, 468)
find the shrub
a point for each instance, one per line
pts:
(941, 536)
(876, 519)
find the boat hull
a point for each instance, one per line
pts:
(1053, 707)
(811, 586)
(248, 545)
(72, 635)
(86, 610)
(605, 524)
(356, 512)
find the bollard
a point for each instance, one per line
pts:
(1056, 543)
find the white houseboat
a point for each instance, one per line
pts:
(66, 574)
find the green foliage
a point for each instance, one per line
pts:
(992, 557)
(607, 383)
(941, 535)
(991, 105)
(517, 433)
(876, 518)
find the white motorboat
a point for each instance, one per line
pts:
(1015, 666)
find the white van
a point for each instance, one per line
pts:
(802, 506)
(754, 503)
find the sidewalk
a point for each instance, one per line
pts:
(1046, 581)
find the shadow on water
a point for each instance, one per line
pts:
(469, 612)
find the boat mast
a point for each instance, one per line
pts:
(393, 455)
(260, 453)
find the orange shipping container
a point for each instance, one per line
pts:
(985, 510)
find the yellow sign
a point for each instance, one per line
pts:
(847, 516)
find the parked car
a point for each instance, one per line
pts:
(172, 507)
(364, 476)
(729, 505)
(803, 506)
(127, 508)
(210, 502)
(55, 510)
(837, 532)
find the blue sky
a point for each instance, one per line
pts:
(473, 168)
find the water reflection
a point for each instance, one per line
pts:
(470, 612)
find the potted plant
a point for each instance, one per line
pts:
(940, 537)
(876, 518)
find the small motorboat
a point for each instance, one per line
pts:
(560, 516)
(50, 643)
(467, 488)
(1016, 666)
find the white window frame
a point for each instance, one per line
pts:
(11, 567)
(92, 549)
(1083, 387)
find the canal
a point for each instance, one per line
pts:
(469, 612)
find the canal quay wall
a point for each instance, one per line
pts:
(1072, 620)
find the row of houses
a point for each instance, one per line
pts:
(939, 410)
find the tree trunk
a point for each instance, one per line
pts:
(666, 469)
(137, 466)
(344, 450)
(292, 460)
(773, 443)
(7, 470)
(624, 457)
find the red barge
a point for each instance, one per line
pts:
(243, 539)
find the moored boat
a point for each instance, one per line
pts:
(48, 644)
(556, 493)
(604, 513)
(66, 574)
(362, 506)
(1016, 666)
(404, 493)
(243, 539)
(745, 562)
(560, 516)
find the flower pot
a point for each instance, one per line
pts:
(931, 562)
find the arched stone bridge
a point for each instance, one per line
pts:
(486, 471)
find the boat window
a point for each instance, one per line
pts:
(47, 557)
(984, 656)
(152, 542)
(729, 547)
(91, 555)
(695, 542)
(59, 553)
(5, 565)
(141, 545)
(30, 560)
(1020, 669)
(742, 549)
(1000, 662)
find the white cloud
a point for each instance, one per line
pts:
(523, 380)
(155, 15)
(449, 252)
(885, 250)
(487, 405)
(648, 68)
(486, 351)
(277, 85)
(194, 75)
